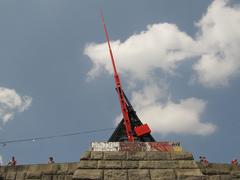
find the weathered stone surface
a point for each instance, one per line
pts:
(214, 177)
(130, 164)
(162, 174)
(46, 177)
(136, 174)
(90, 174)
(68, 177)
(155, 155)
(187, 164)
(220, 168)
(86, 155)
(114, 155)
(136, 155)
(86, 164)
(11, 175)
(34, 175)
(61, 177)
(22, 168)
(109, 164)
(40, 167)
(115, 174)
(96, 155)
(187, 172)
(54, 177)
(184, 177)
(235, 174)
(225, 177)
(20, 175)
(210, 171)
(181, 156)
(72, 167)
(61, 168)
(158, 164)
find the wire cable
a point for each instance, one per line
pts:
(4, 143)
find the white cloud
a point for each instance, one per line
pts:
(183, 117)
(11, 103)
(1, 160)
(219, 41)
(163, 46)
(160, 46)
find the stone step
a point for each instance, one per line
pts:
(137, 174)
(118, 164)
(137, 155)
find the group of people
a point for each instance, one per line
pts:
(204, 161)
(13, 161)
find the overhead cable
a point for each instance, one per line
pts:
(4, 143)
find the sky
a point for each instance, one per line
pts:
(178, 62)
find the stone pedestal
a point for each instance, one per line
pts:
(136, 161)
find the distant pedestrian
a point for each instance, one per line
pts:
(203, 160)
(234, 162)
(13, 162)
(50, 161)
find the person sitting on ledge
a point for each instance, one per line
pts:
(234, 162)
(203, 160)
(50, 161)
(13, 162)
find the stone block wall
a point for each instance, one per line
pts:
(215, 171)
(137, 165)
(124, 165)
(56, 171)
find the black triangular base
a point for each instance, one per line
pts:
(119, 135)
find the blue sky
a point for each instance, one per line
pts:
(178, 60)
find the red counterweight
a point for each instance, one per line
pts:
(142, 130)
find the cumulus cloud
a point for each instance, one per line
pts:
(11, 103)
(183, 117)
(219, 41)
(162, 47)
(165, 116)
